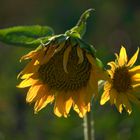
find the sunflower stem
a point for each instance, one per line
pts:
(89, 126)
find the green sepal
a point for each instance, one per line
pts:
(26, 36)
(89, 48)
(57, 40)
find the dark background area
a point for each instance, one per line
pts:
(114, 23)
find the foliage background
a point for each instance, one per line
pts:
(114, 23)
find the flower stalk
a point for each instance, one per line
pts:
(89, 126)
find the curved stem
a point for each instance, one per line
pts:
(89, 126)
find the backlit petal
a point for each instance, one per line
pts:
(133, 59)
(105, 97)
(29, 55)
(66, 57)
(113, 96)
(41, 103)
(136, 77)
(111, 73)
(80, 55)
(79, 104)
(134, 70)
(63, 104)
(119, 103)
(107, 85)
(122, 60)
(60, 47)
(27, 83)
(126, 103)
(29, 69)
(100, 73)
(113, 65)
(93, 82)
(49, 54)
(32, 93)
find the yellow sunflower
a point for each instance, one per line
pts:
(124, 82)
(65, 73)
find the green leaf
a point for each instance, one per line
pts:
(27, 36)
(80, 28)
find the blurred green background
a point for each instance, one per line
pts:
(115, 23)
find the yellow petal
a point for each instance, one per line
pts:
(90, 93)
(133, 59)
(25, 76)
(32, 93)
(134, 70)
(136, 77)
(113, 96)
(86, 94)
(99, 72)
(135, 83)
(44, 90)
(42, 102)
(48, 54)
(107, 86)
(126, 103)
(105, 97)
(68, 106)
(82, 110)
(75, 107)
(79, 104)
(56, 112)
(90, 59)
(27, 83)
(29, 55)
(39, 58)
(66, 57)
(111, 73)
(29, 69)
(80, 55)
(93, 82)
(58, 49)
(113, 66)
(119, 103)
(63, 104)
(122, 57)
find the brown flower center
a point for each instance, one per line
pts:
(122, 79)
(56, 78)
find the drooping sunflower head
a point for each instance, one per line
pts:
(124, 81)
(68, 65)
(64, 70)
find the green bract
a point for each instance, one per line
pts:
(60, 39)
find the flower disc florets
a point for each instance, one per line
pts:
(68, 69)
(122, 79)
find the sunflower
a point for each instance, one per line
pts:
(63, 72)
(124, 82)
